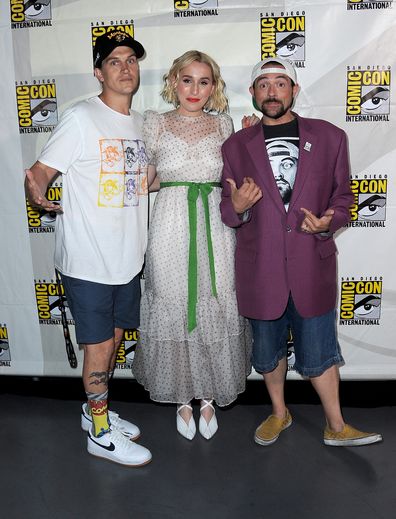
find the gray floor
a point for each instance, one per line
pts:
(46, 472)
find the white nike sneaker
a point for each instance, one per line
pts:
(116, 447)
(128, 429)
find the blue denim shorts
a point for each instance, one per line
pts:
(315, 342)
(97, 309)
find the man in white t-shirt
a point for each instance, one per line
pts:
(101, 230)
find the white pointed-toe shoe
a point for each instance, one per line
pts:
(208, 429)
(189, 429)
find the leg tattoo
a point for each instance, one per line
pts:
(99, 377)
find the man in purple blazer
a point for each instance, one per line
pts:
(286, 191)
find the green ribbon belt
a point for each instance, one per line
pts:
(194, 189)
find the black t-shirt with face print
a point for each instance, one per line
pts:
(281, 141)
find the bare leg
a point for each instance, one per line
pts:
(275, 382)
(97, 358)
(327, 387)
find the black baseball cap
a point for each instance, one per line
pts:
(106, 43)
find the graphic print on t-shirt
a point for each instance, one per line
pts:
(123, 172)
(283, 156)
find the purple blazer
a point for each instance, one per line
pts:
(273, 256)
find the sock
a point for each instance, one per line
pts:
(97, 408)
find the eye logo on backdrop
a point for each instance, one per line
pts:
(5, 355)
(30, 13)
(361, 301)
(182, 8)
(357, 5)
(126, 351)
(369, 205)
(291, 357)
(100, 28)
(283, 35)
(368, 93)
(36, 105)
(40, 221)
(48, 303)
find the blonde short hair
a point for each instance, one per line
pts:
(217, 102)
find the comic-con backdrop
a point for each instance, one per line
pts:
(345, 58)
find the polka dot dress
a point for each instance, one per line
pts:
(214, 359)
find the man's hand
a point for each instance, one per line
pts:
(246, 196)
(249, 120)
(35, 194)
(313, 225)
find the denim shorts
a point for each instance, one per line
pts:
(315, 342)
(97, 309)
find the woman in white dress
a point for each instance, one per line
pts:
(193, 343)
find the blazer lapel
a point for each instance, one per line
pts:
(306, 156)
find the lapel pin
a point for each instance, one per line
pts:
(307, 146)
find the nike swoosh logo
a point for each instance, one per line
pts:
(110, 447)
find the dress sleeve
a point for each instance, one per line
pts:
(151, 121)
(226, 126)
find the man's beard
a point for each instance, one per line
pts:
(285, 190)
(280, 111)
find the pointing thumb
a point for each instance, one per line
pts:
(231, 181)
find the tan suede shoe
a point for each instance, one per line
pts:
(268, 432)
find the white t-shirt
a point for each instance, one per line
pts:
(102, 234)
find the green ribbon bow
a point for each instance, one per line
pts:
(194, 190)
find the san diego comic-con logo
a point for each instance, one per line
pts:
(37, 105)
(357, 5)
(369, 204)
(5, 355)
(368, 93)
(291, 358)
(361, 301)
(126, 351)
(102, 27)
(30, 13)
(40, 221)
(283, 35)
(48, 302)
(182, 8)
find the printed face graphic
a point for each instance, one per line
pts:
(283, 157)
(123, 177)
(135, 154)
(131, 187)
(130, 156)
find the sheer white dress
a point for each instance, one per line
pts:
(212, 360)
